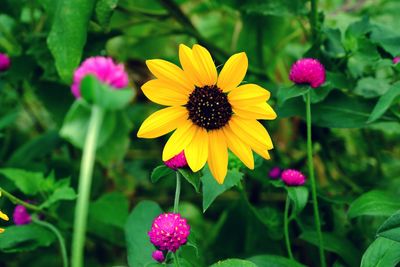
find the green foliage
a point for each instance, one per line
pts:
(374, 203)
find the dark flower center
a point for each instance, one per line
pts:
(209, 107)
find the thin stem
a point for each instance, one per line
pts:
(177, 192)
(314, 20)
(312, 179)
(16, 200)
(85, 183)
(60, 238)
(286, 228)
(176, 260)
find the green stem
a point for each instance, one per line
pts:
(177, 192)
(85, 183)
(313, 182)
(57, 233)
(286, 228)
(176, 260)
(16, 200)
(314, 20)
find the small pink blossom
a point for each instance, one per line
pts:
(308, 71)
(293, 177)
(21, 215)
(169, 231)
(396, 60)
(104, 69)
(275, 173)
(158, 255)
(5, 62)
(178, 161)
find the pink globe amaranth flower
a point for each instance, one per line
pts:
(396, 60)
(275, 173)
(293, 177)
(178, 161)
(5, 62)
(169, 231)
(158, 255)
(105, 69)
(21, 215)
(308, 71)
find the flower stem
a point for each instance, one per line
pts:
(314, 20)
(176, 259)
(57, 233)
(177, 192)
(16, 200)
(286, 228)
(85, 183)
(312, 179)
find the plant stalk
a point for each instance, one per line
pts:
(16, 200)
(286, 228)
(314, 20)
(313, 182)
(177, 192)
(85, 183)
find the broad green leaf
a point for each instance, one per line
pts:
(138, 224)
(344, 248)
(374, 203)
(30, 183)
(286, 93)
(95, 92)
(212, 189)
(274, 261)
(25, 238)
(192, 177)
(234, 263)
(370, 87)
(111, 209)
(104, 10)
(67, 36)
(386, 37)
(160, 172)
(8, 119)
(390, 229)
(381, 253)
(385, 102)
(299, 197)
(62, 193)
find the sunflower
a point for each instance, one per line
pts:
(4, 217)
(209, 113)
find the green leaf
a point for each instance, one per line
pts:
(212, 189)
(160, 172)
(381, 253)
(104, 10)
(25, 238)
(344, 248)
(28, 182)
(384, 102)
(234, 263)
(299, 197)
(333, 43)
(274, 261)
(111, 209)
(138, 224)
(61, 193)
(390, 229)
(386, 37)
(67, 36)
(286, 93)
(370, 87)
(95, 92)
(374, 203)
(192, 177)
(8, 119)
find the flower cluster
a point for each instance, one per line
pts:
(178, 161)
(308, 71)
(290, 177)
(5, 62)
(21, 215)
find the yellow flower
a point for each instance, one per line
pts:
(4, 217)
(210, 113)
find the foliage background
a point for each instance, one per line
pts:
(355, 117)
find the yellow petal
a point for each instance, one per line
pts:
(217, 155)
(208, 72)
(233, 72)
(197, 151)
(189, 64)
(248, 95)
(179, 140)
(3, 216)
(251, 132)
(262, 152)
(261, 111)
(164, 93)
(239, 148)
(162, 122)
(169, 72)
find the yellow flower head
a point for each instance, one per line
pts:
(4, 217)
(210, 113)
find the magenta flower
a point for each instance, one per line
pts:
(293, 177)
(307, 71)
(104, 69)
(158, 255)
(5, 62)
(275, 173)
(396, 60)
(169, 231)
(178, 161)
(21, 215)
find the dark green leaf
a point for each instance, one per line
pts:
(234, 263)
(160, 172)
(104, 10)
(110, 209)
(29, 183)
(286, 93)
(61, 193)
(370, 87)
(381, 253)
(192, 177)
(384, 102)
(374, 203)
(390, 229)
(299, 197)
(386, 37)
(274, 261)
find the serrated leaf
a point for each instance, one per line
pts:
(160, 172)
(374, 203)
(28, 182)
(62, 193)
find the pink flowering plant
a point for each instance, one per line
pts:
(199, 133)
